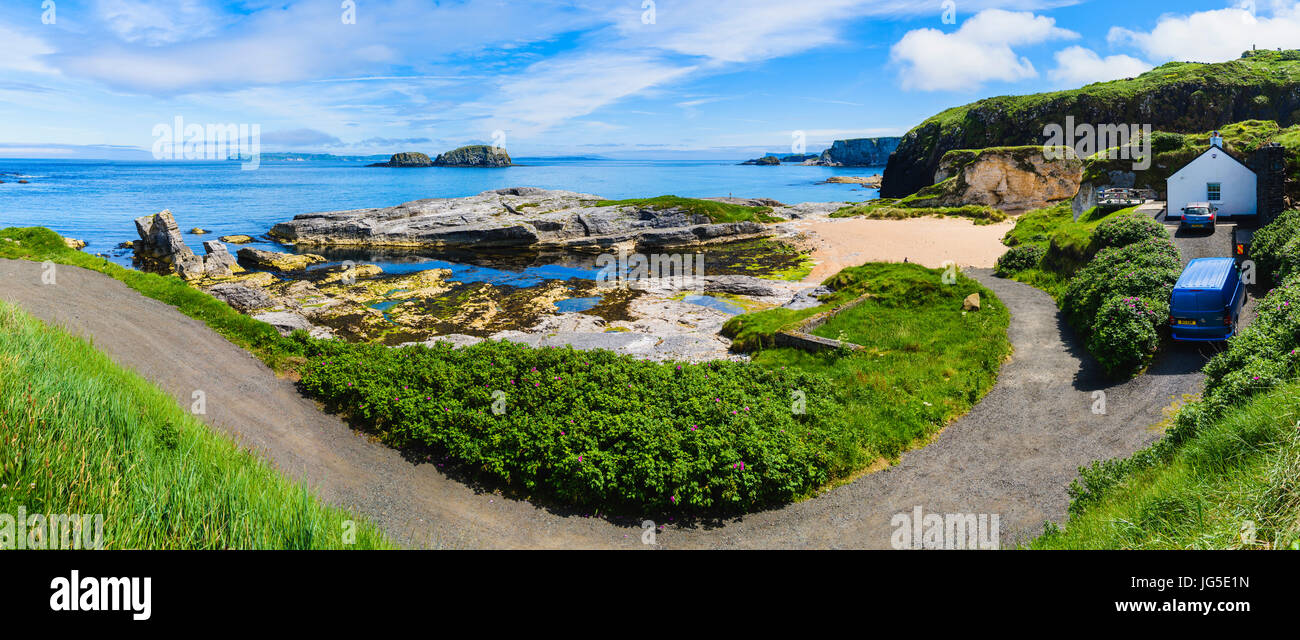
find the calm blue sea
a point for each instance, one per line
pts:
(97, 201)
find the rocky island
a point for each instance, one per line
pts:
(479, 155)
(404, 160)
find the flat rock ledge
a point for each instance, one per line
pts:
(514, 218)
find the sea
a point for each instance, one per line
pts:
(98, 201)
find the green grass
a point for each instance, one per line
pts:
(40, 244)
(82, 435)
(924, 362)
(714, 211)
(1243, 467)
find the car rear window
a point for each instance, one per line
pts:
(1196, 301)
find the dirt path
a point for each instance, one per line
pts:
(1013, 455)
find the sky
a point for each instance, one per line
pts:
(609, 78)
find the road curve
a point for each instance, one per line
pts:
(1013, 455)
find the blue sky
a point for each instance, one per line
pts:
(617, 78)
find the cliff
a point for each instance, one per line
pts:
(1010, 179)
(1178, 97)
(859, 152)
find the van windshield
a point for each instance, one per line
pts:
(1196, 301)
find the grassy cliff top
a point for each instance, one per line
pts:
(1260, 69)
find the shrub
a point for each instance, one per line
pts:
(1018, 259)
(1272, 249)
(1265, 353)
(1147, 269)
(1126, 333)
(592, 428)
(1121, 231)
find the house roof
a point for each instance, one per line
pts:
(1212, 148)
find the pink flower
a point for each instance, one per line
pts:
(579, 458)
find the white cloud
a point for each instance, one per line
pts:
(1214, 36)
(1079, 66)
(19, 52)
(154, 24)
(978, 52)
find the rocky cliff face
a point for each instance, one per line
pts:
(859, 152)
(1177, 97)
(1012, 179)
(515, 218)
(474, 156)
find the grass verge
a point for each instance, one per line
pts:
(81, 435)
(715, 211)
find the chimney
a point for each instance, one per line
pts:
(1216, 140)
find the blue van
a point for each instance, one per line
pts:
(1206, 303)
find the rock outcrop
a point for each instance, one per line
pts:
(273, 261)
(479, 155)
(237, 239)
(404, 160)
(858, 152)
(514, 218)
(765, 161)
(1011, 179)
(161, 249)
(242, 297)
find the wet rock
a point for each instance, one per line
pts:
(273, 261)
(237, 239)
(243, 298)
(198, 232)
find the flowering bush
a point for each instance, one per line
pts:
(593, 428)
(1125, 333)
(1273, 248)
(1265, 353)
(1147, 269)
(1123, 230)
(1018, 259)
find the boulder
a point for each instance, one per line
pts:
(198, 231)
(161, 248)
(241, 297)
(236, 239)
(74, 243)
(273, 261)
(218, 262)
(285, 322)
(971, 303)
(479, 155)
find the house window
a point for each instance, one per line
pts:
(1212, 191)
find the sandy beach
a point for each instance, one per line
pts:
(847, 242)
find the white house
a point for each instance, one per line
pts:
(1217, 177)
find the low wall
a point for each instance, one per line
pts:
(802, 338)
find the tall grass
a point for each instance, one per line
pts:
(1240, 474)
(81, 435)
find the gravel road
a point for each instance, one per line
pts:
(1013, 455)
